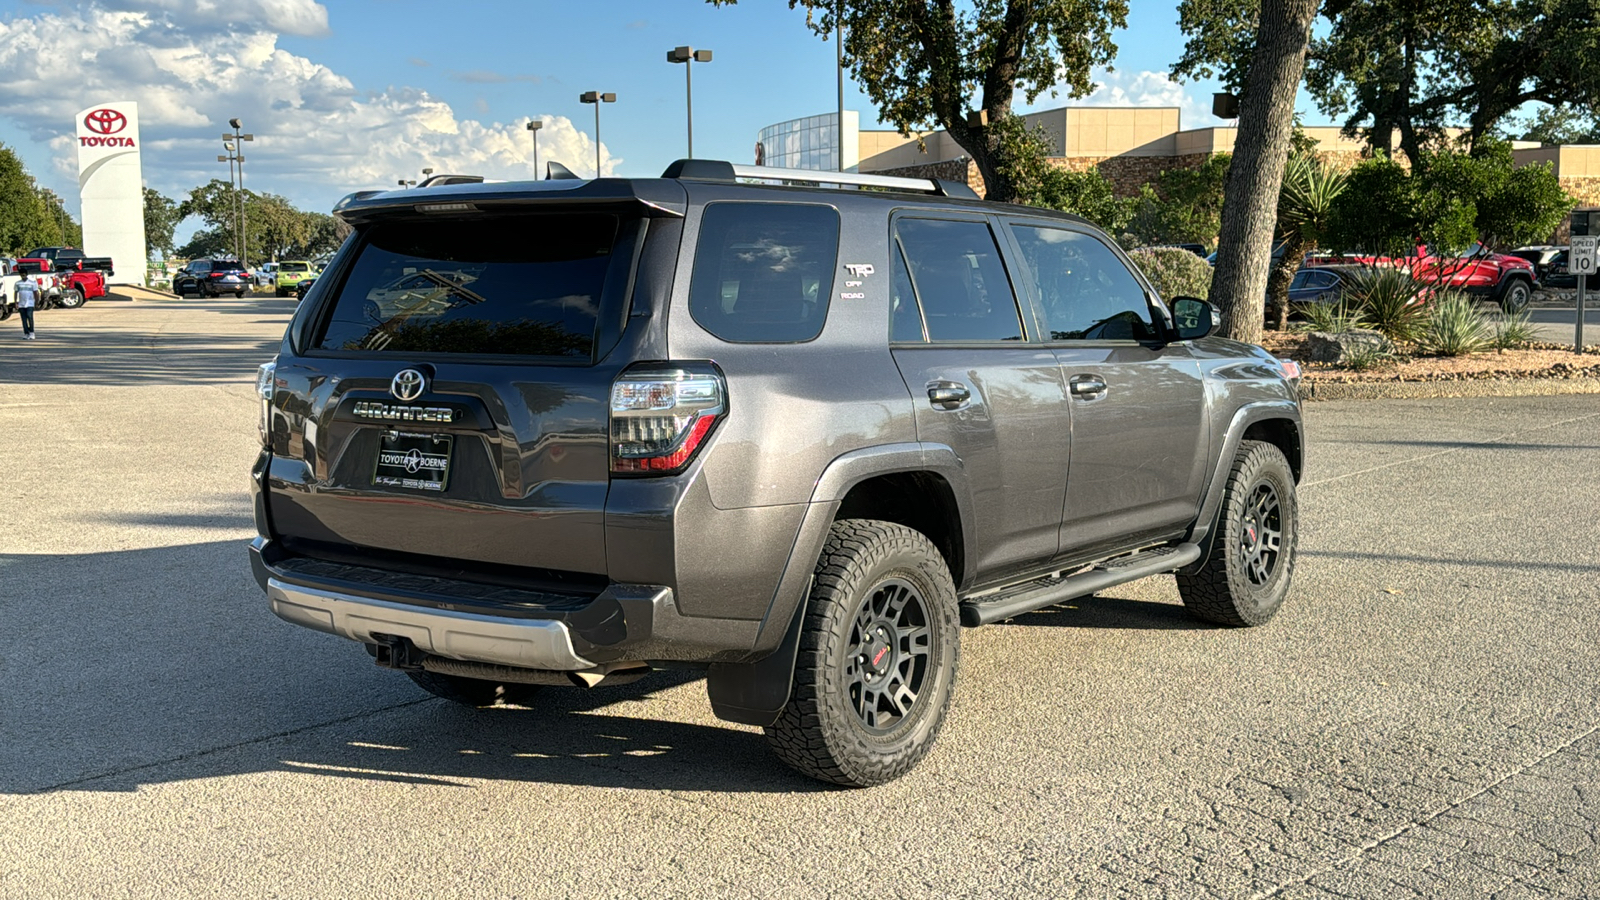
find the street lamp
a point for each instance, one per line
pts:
(427, 173)
(689, 56)
(405, 183)
(234, 145)
(596, 98)
(535, 124)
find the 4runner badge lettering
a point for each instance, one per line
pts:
(387, 412)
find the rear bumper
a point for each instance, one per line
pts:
(535, 644)
(476, 623)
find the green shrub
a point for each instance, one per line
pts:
(1332, 318)
(1368, 357)
(1174, 272)
(1391, 301)
(1455, 326)
(1512, 329)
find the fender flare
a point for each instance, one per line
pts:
(1203, 530)
(755, 693)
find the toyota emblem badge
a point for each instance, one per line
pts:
(105, 121)
(408, 385)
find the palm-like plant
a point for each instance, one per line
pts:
(1305, 205)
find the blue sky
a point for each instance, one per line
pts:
(345, 95)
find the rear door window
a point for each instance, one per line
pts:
(763, 272)
(960, 282)
(509, 285)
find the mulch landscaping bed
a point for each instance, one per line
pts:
(1534, 369)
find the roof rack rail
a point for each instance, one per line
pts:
(855, 179)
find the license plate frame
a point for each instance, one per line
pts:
(413, 461)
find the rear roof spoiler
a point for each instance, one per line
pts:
(719, 170)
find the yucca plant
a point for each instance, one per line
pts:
(1305, 207)
(1455, 326)
(1512, 329)
(1390, 300)
(1333, 318)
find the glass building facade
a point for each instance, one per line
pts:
(811, 143)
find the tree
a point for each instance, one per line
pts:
(1266, 122)
(922, 62)
(25, 221)
(1384, 63)
(1305, 206)
(1450, 200)
(1562, 125)
(1184, 206)
(1039, 183)
(160, 221)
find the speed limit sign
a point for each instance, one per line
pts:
(1583, 254)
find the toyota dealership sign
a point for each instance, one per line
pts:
(110, 181)
(105, 127)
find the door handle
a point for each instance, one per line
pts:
(948, 394)
(1087, 385)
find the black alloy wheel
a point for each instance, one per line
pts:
(1261, 534)
(886, 662)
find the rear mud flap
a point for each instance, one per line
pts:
(756, 693)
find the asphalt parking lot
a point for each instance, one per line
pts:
(1419, 721)
(1559, 324)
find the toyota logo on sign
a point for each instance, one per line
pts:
(105, 121)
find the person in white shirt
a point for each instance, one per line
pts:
(27, 297)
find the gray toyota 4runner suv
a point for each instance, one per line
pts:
(569, 431)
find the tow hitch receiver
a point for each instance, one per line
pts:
(394, 652)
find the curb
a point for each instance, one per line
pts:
(1472, 387)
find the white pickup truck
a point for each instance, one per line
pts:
(49, 289)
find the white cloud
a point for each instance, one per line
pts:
(317, 136)
(1148, 89)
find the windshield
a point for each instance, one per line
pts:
(524, 285)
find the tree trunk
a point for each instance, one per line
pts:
(1281, 277)
(1250, 202)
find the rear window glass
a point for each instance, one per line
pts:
(514, 285)
(763, 271)
(293, 267)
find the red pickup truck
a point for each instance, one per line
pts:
(82, 277)
(1508, 280)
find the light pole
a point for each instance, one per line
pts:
(533, 127)
(404, 183)
(689, 56)
(838, 60)
(234, 144)
(596, 98)
(427, 173)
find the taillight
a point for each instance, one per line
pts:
(266, 384)
(660, 417)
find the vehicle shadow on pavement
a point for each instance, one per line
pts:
(1114, 612)
(565, 736)
(159, 665)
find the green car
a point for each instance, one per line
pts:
(291, 274)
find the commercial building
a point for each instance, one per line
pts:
(1130, 146)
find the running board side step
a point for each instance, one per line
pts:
(1048, 591)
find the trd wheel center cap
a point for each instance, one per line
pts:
(880, 652)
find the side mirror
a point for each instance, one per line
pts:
(1194, 318)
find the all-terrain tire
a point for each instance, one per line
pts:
(5, 310)
(474, 692)
(71, 299)
(1247, 576)
(879, 650)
